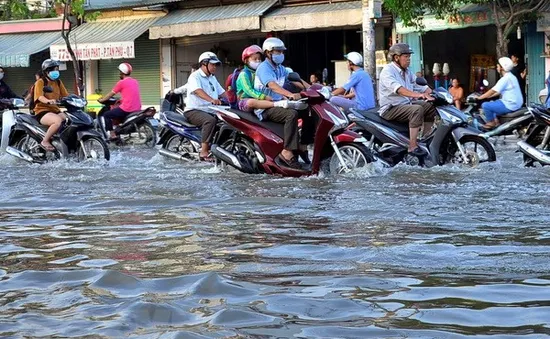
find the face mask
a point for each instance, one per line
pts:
(1, 76)
(278, 58)
(54, 75)
(254, 64)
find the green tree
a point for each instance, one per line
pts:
(507, 14)
(19, 10)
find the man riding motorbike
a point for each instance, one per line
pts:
(204, 90)
(361, 83)
(128, 88)
(271, 77)
(46, 111)
(508, 88)
(396, 92)
(5, 90)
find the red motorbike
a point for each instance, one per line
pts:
(252, 146)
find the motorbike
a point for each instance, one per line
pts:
(252, 146)
(138, 128)
(180, 139)
(452, 140)
(22, 134)
(536, 147)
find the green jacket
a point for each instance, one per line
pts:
(245, 85)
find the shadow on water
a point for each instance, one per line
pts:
(148, 248)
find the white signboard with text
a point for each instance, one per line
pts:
(95, 51)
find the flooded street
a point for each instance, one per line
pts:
(151, 248)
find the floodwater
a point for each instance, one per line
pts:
(151, 248)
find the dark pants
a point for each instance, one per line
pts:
(206, 121)
(414, 114)
(290, 117)
(115, 113)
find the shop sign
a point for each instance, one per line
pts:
(431, 23)
(543, 23)
(95, 51)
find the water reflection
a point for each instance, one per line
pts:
(152, 249)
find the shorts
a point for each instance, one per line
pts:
(39, 116)
(243, 105)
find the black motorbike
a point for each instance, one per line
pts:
(138, 128)
(536, 147)
(22, 135)
(452, 141)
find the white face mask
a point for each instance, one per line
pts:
(254, 64)
(1, 76)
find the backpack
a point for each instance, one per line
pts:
(231, 87)
(32, 101)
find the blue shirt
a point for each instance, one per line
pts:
(361, 83)
(265, 74)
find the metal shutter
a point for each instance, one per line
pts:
(146, 67)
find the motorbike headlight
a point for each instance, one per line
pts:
(449, 117)
(18, 102)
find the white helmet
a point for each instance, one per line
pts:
(506, 63)
(209, 57)
(271, 44)
(355, 58)
(125, 68)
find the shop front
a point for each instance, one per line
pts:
(540, 42)
(105, 43)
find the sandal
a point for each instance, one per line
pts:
(292, 163)
(207, 159)
(48, 148)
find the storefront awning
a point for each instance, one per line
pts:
(470, 16)
(16, 49)
(340, 14)
(113, 39)
(211, 20)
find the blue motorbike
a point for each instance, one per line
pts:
(180, 139)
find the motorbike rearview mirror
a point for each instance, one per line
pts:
(485, 82)
(420, 81)
(48, 89)
(18, 102)
(294, 77)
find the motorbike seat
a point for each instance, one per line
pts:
(30, 119)
(372, 115)
(513, 115)
(177, 119)
(274, 127)
(149, 112)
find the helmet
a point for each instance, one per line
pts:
(355, 58)
(289, 70)
(125, 68)
(209, 57)
(251, 50)
(506, 63)
(49, 64)
(399, 49)
(271, 44)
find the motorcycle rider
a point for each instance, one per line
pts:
(397, 92)
(128, 88)
(46, 111)
(248, 97)
(508, 88)
(361, 83)
(204, 90)
(5, 90)
(271, 77)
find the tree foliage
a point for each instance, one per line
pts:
(19, 10)
(507, 14)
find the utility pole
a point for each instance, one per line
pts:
(369, 39)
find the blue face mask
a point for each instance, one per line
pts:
(278, 58)
(54, 75)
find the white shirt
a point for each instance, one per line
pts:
(209, 84)
(392, 78)
(508, 88)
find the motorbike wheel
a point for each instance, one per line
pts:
(32, 147)
(478, 150)
(180, 145)
(144, 135)
(96, 149)
(355, 156)
(244, 151)
(535, 139)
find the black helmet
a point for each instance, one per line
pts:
(49, 64)
(399, 49)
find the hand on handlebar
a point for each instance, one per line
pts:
(427, 97)
(295, 96)
(52, 102)
(216, 102)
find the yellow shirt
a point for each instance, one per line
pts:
(59, 91)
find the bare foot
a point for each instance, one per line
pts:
(47, 146)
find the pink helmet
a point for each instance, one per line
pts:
(251, 50)
(125, 68)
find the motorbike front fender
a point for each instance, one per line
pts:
(459, 132)
(8, 121)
